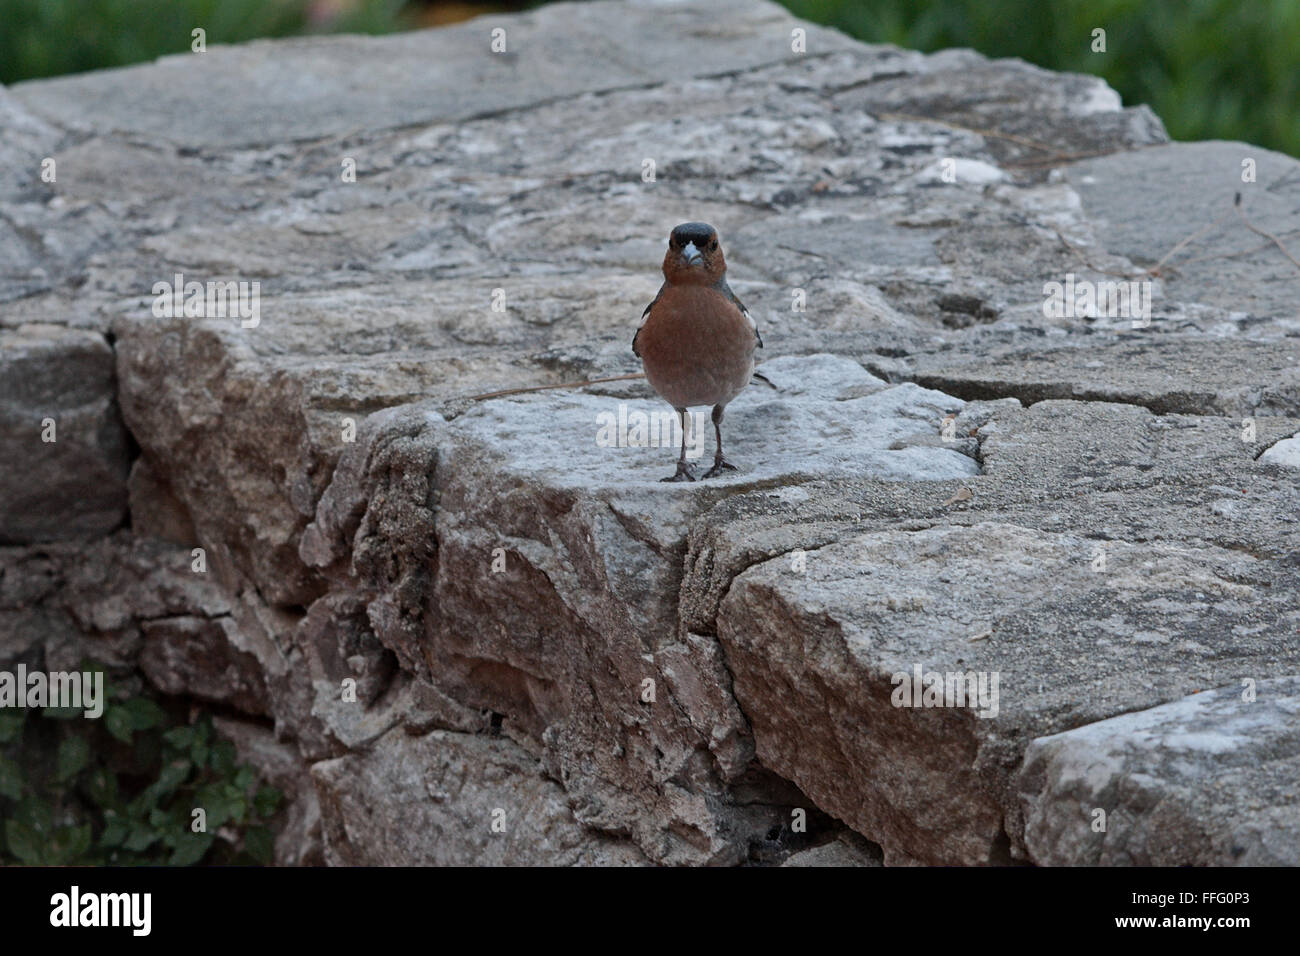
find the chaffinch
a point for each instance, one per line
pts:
(696, 340)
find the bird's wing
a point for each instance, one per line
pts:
(726, 290)
(645, 315)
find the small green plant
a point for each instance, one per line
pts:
(122, 790)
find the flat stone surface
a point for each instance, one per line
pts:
(1195, 375)
(820, 415)
(1224, 264)
(331, 86)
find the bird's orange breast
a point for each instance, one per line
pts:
(697, 347)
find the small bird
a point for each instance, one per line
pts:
(696, 340)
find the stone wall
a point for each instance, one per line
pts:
(935, 472)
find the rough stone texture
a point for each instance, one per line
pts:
(846, 850)
(445, 605)
(156, 512)
(201, 657)
(453, 799)
(582, 609)
(61, 436)
(1201, 780)
(819, 649)
(69, 600)
(337, 85)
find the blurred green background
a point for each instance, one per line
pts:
(1212, 69)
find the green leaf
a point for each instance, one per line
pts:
(118, 722)
(236, 801)
(101, 787)
(244, 778)
(222, 759)
(215, 804)
(24, 842)
(202, 740)
(260, 845)
(179, 737)
(267, 801)
(191, 848)
(140, 838)
(11, 778)
(35, 813)
(114, 833)
(69, 844)
(147, 748)
(172, 776)
(144, 713)
(74, 755)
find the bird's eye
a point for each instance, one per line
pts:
(713, 244)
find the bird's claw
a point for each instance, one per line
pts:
(683, 473)
(719, 466)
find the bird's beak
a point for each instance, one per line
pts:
(692, 255)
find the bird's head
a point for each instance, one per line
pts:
(694, 255)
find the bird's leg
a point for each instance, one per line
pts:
(720, 464)
(683, 470)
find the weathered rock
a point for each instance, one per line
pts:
(27, 141)
(165, 101)
(1286, 453)
(1198, 376)
(452, 799)
(69, 601)
(843, 851)
(421, 320)
(435, 596)
(61, 437)
(992, 599)
(814, 416)
(156, 512)
(200, 657)
(1208, 780)
(1084, 577)
(1257, 290)
(550, 594)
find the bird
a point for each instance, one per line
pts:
(696, 340)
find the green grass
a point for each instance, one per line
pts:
(52, 37)
(1211, 69)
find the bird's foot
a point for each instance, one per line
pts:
(683, 473)
(720, 465)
